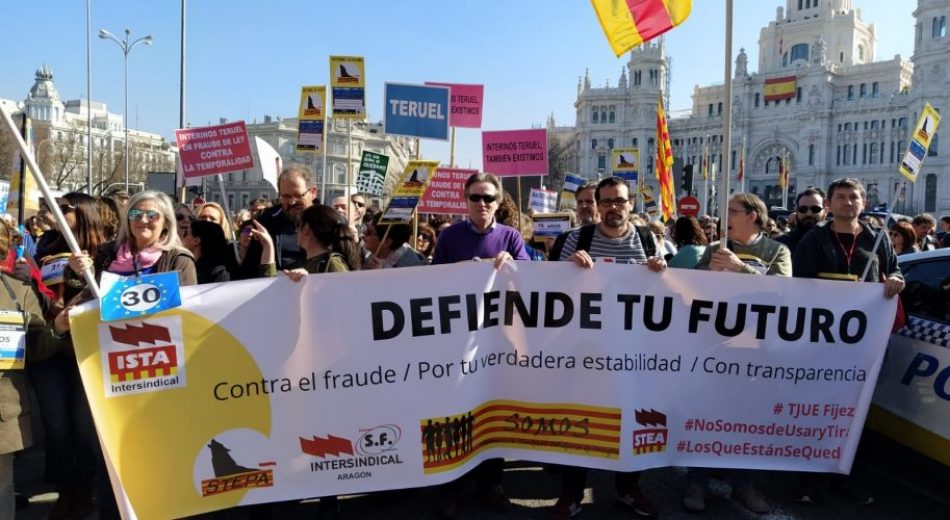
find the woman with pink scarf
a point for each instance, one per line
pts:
(147, 243)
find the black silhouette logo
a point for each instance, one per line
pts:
(231, 476)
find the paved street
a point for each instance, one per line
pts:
(904, 486)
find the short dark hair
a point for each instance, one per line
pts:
(398, 233)
(847, 182)
(589, 185)
(811, 191)
(608, 182)
(751, 202)
(484, 177)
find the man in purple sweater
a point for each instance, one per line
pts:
(479, 237)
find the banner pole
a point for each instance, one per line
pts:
(518, 184)
(29, 160)
(726, 128)
(785, 176)
(452, 148)
(349, 173)
(21, 207)
(880, 236)
(227, 215)
(323, 177)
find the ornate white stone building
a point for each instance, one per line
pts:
(846, 115)
(281, 133)
(60, 127)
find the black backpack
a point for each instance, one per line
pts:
(587, 236)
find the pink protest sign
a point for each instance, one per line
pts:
(466, 103)
(513, 153)
(446, 193)
(214, 149)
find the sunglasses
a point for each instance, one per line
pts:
(425, 236)
(180, 216)
(136, 214)
(487, 199)
(66, 208)
(358, 204)
(806, 209)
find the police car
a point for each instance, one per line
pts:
(912, 399)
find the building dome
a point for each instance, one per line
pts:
(43, 87)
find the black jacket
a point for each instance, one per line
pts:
(821, 255)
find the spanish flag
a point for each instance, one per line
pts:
(777, 89)
(628, 23)
(664, 162)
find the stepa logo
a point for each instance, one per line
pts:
(142, 356)
(374, 447)
(653, 438)
(231, 476)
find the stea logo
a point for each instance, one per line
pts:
(377, 446)
(653, 438)
(144, 356)
(231, 476)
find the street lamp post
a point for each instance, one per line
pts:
(126, 47)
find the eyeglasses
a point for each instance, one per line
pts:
(425, 236)
(180, 216)
(359, 204)
(813, 209)
(613, 203)
(487, 199)
(294, 196)
(150, 214)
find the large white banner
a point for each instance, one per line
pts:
(268, 390)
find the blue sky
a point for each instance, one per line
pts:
(248, 58)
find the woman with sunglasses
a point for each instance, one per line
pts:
(147, 243)
(425, 241)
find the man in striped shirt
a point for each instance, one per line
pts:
(612, 240)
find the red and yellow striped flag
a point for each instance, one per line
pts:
(664, 162)
(782, 173)
(777, 89)
(628, 23)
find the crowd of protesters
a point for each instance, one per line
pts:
(825, 236)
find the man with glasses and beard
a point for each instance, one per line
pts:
(810, 213)
(612, 239)
(297, 193)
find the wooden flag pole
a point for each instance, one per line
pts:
(726, 128)
(67, 233)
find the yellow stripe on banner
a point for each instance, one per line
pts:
(838, 276)
(579, 408)
(909, 434)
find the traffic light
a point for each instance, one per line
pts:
(686, 179)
